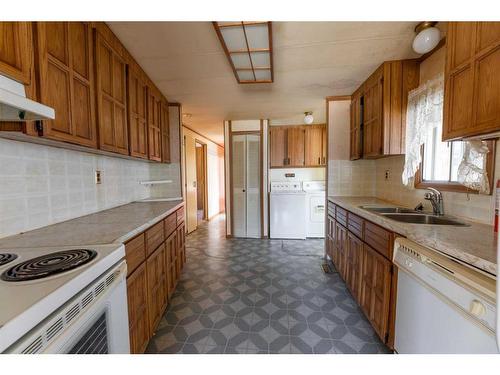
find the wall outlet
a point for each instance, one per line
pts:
(387, 174)
(98, 177)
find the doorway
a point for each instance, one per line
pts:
(201, 182)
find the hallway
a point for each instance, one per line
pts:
(260, 296)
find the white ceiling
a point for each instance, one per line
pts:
(312, 60)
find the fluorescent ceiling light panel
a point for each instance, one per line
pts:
(249, 48)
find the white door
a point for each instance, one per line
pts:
(246, 172)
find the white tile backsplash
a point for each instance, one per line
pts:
(351, 178)
(42, 185)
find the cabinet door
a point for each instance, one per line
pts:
(16, 51)
(324, 145)
(355, 129)
(375, 290)
(278, 147)
(137, 110)
(314, 146)
(472, 88)
(138, 314)
(66, 80)
(341, 245)
(331, 249)
(295, 146)
(154, 129)
(170, 250)
(111, 98)
(156, 284)
(165, 132)
(354, 253)
(181, 248)
(372, 121)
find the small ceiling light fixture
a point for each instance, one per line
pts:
(308, 118)
(428, 37)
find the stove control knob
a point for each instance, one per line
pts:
(477, 308)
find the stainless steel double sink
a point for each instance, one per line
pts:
(407, 215)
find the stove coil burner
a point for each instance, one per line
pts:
(6, 258)
(48, 265)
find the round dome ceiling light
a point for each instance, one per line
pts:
(428, 37)
(308, 118)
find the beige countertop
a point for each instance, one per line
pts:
(115, 225)
(475, 244)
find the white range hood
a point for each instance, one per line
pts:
(14, 106)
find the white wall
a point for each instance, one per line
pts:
(42, 185)
(215, 172)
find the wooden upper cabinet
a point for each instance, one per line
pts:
(296, 146)
(111, 96)
(165, 132)
(314, 146)
(355, 149)
(66, 80)
(154, 128)
(277, 143)
(472, 87)
(16, 50)
(137, 113)
(378, 110)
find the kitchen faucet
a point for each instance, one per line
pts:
(436, 198)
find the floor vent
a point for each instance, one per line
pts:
(326, 268)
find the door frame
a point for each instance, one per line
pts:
(205, 176)
(249, 132)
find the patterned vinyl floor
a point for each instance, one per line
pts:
(260, 296)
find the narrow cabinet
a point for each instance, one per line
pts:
(170, 263)
(66, 80)
(16, 51)
(354, 255)
(165, 132)
(137, 95)
(355, 149)
(111, 95)
(154, 128)
(341, 247)
(372, 115)
(138, 315)
(157, 296)
(277, 141)
(296, 146)
(314, 145)
(472, 87)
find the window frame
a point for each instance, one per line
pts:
(456, 187)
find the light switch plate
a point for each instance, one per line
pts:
(98, 177)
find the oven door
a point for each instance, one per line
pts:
(93, 322)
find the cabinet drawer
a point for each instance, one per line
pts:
(379, 239)
(135, 253)
(170, 224)
(180, 215)
(341, 215)
(154, 237)
(355, 224)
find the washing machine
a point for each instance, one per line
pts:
(315, 208)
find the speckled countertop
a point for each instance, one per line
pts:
(115, 225)
(475, 244)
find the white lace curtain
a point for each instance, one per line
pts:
(472, 169)
(424, 112)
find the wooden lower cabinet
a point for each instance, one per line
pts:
(340, 245)
(354, 254)
(181, 246)
(138, 318)
(157, 300)
(170, 263)
(376, 290)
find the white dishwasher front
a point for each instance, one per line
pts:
(442, 306)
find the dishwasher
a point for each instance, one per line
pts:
(442, 306)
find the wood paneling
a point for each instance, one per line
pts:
(16, 51)
(138, 314)
(111, 96)
(137, 113)
(66, 80)
(472, 87)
